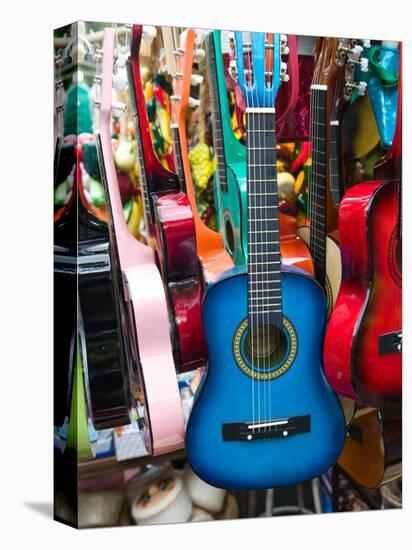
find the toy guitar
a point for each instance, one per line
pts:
(264, 407)
(372, 454)
(145, 314)
(363, 341)
(230, 179)
(170, 223)
(321, 235)
(213, 257)
(82, 260)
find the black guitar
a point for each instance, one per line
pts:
(84, 276)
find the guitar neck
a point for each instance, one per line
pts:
(334, 168)
(177, 154)
(264, 280)
(318, 181)
(217, 113)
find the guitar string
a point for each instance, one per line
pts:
(248, 188)
(254, 197)
(266, 247)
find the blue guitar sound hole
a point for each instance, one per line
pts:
(267, 356)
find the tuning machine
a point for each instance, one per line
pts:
(149, 34)
(119, 71)
(233, 70)
(284, 48)
(199, 55)
(196, 79)
(231, 38)
(193, 103)
(350, 86)
(284, 77)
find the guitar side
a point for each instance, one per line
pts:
(369, 302)
(224, 396)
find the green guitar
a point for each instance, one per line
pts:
(230, 177)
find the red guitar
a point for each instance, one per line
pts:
(363, 340)
(171, 228)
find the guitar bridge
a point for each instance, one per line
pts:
(270, 429)
(390, 342)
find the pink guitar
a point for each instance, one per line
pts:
(147, 328)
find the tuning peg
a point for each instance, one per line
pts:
(120, 80)
(361, 87)
(196, 79)
(200, 36)
(364, 64)
(283, 72)
(175, 98)
(233, 69)
(366, 43)
(121, 59)
(149, 34)
(118, 107)
(194, 102)
(284, 44)
(199, 55)
(356, 52)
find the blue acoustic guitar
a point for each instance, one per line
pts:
(264, 415)
(230, 177)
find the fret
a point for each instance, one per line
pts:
(266, 311)
(265, 206)
(264, 243)
(260, 298)
(268, 230)
(254, 180)
(266, 291)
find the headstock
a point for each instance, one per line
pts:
(350, 54)
(334, 55)
(180, 54)
(258, 68)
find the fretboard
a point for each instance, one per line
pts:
(317, 184)
(217, 127)
(264, 280)
(144, 186)
(177, 154)
(334, 169)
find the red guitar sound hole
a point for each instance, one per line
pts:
(395, 257)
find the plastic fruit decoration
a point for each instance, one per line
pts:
(125, 155)
(201, 163)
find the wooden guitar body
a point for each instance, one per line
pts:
(362, 343)
(372, 454)
(294, 390)
(333, 264)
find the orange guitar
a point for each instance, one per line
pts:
(210, 247)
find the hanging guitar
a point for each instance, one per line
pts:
(171, 227)
(372, 455)
(230, 180)
(82, 263)
(145, 314)
(363, 340)
(264, 407)
(321, 232)
(182, 53)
